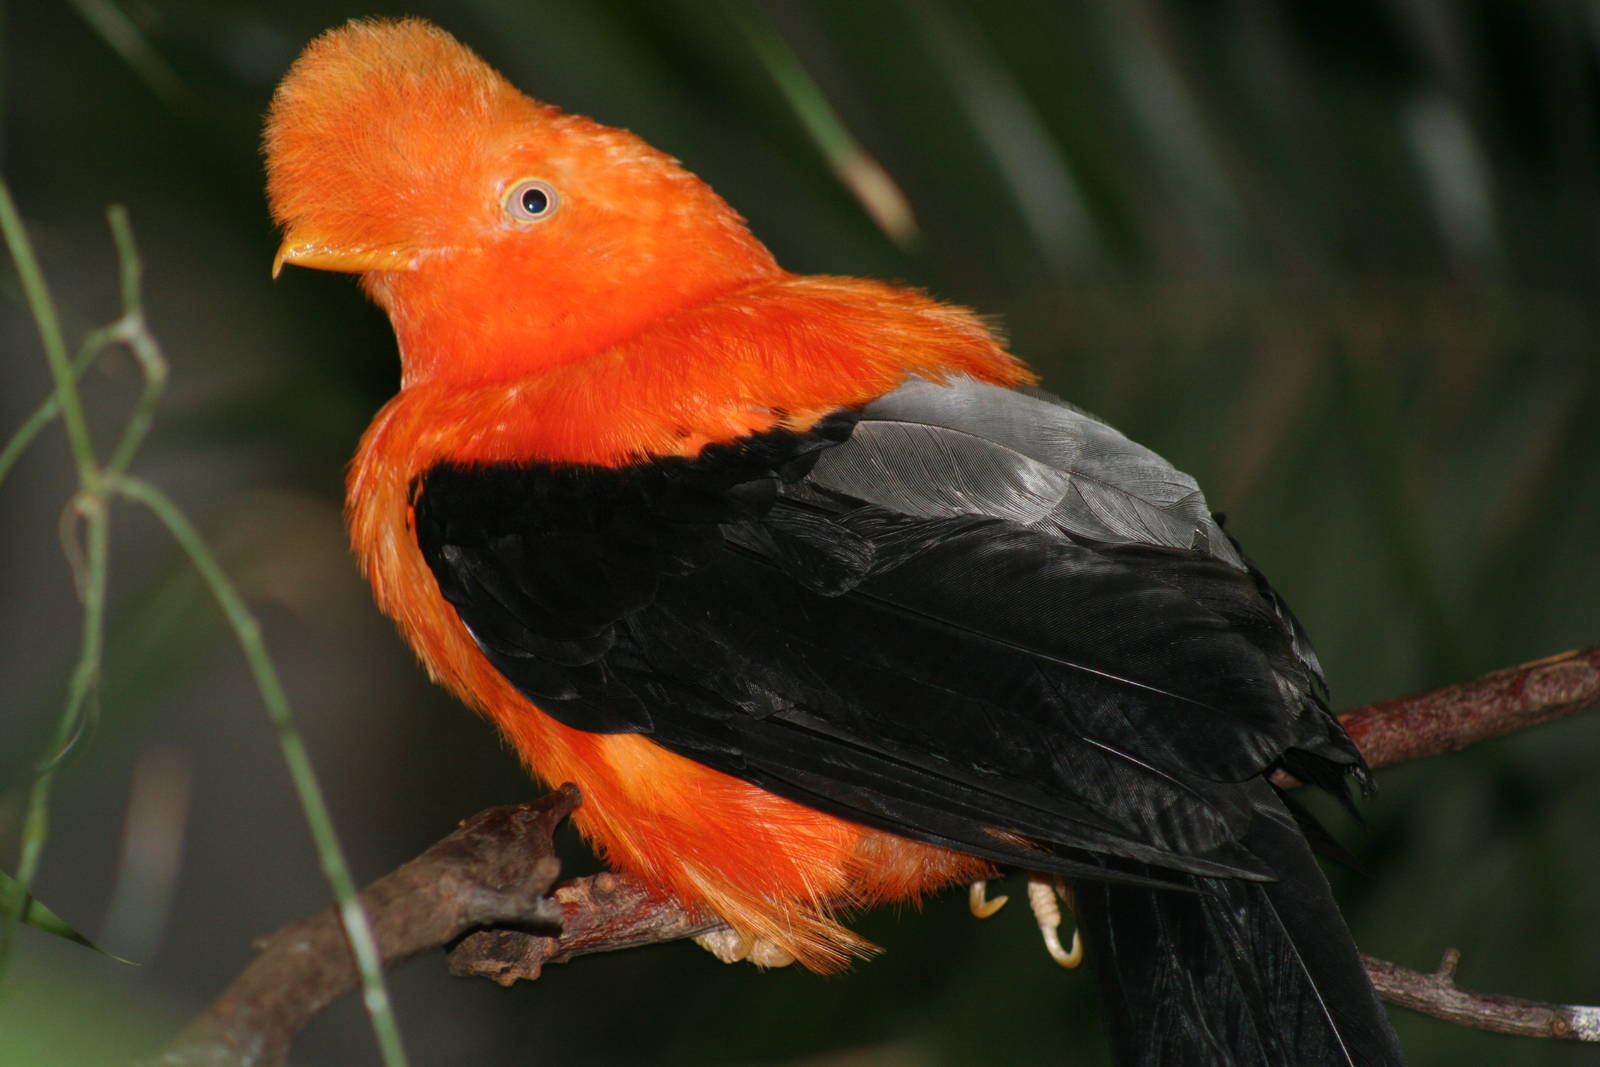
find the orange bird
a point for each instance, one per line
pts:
(813, 604)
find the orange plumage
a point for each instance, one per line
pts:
(819, 612)
(636, 319)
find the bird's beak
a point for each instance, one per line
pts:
(300, 251)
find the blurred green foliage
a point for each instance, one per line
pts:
(1337, 260)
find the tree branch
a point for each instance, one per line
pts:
(489, 878)
(603, 913)
(1438, 995)
(1456, 716)
(1451, 718)
(496, 868)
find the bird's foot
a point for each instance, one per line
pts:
(1043, 891)
(979, 901)
(731, 946)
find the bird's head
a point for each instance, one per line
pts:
(500, 234)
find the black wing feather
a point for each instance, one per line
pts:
(957, 610)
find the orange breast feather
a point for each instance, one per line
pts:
(781, 353)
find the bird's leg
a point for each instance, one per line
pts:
(1042, 898)
(979, 901)
(731, 946)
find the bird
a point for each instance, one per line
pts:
(816, 597)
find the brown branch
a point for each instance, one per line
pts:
(496, 868)
(1456, 716)
(1451, 718)
(488, 879)
(1438, 995)
(602, 914)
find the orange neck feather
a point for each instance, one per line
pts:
(780, 353)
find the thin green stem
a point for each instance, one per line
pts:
(90, 573)
(49, 326)
(85, 678)
(248, 632)
(132, 330)
(31, 428)
(90, 504)
(49, 408)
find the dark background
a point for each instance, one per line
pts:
(1336, 260)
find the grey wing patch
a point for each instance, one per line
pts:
(967, 448)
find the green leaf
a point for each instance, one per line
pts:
(12, 900)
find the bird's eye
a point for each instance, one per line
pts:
(531, 200)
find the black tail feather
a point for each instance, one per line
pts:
(1236, 972)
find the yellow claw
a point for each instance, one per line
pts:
(978, 900)
(1042, 891)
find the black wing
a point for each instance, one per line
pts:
(962, 609)
(959, 610)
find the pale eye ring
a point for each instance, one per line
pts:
(531, 200)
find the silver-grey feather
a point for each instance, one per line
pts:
(940, 450)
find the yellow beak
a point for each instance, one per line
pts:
(322, 256)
